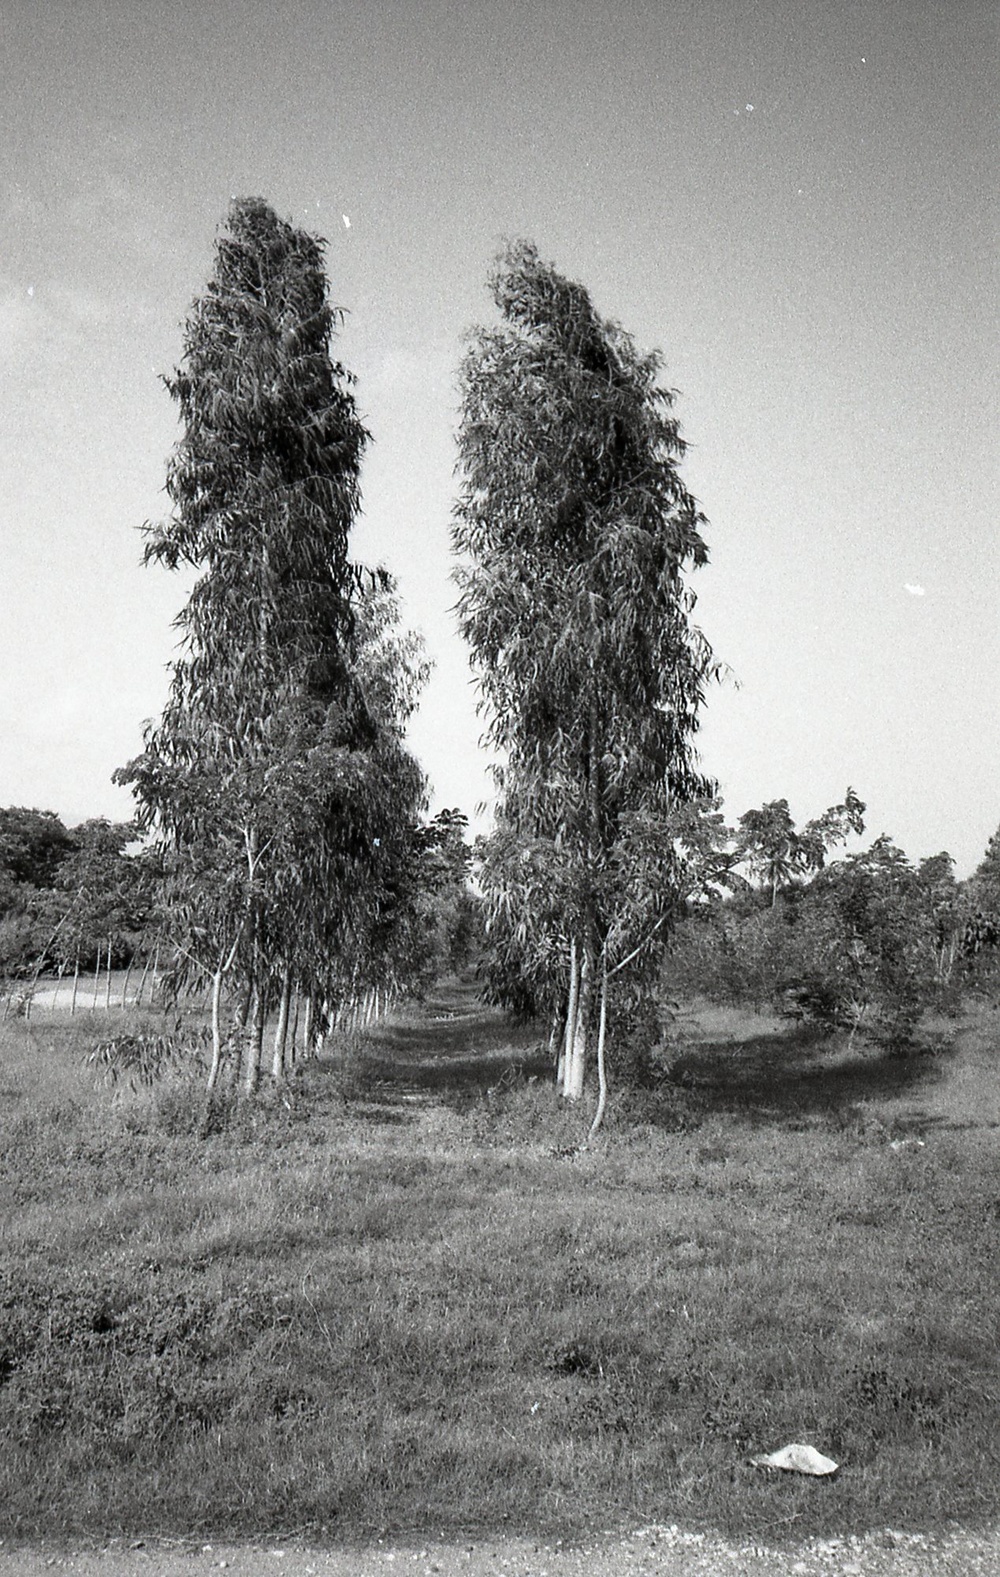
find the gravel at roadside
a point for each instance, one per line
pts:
(650, 1552)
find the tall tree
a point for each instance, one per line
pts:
(777, 852)
(575, 532)
(258, 776)
(34, 846)
(984, 883)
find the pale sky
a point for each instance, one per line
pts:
(795, 202)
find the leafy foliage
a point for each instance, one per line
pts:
(574, 531)
(141, 1060)
(984, 884)
(777, 853)
(868, 942)
(69, 896)
(111, 893)
(33, 846)
(276, 780)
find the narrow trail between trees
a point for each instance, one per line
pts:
(450, 1047)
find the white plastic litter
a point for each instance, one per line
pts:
(798, 1459)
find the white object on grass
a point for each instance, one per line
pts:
(798, 1459)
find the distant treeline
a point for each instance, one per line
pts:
(91, 897)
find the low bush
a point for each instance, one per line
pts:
(141, 1059)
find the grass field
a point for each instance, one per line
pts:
(406, 1300)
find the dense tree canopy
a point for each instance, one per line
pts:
(574, 531)
(69, 896)
(277, 777)
(33, 845)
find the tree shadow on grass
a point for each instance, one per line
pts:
(795, 1077)
(454, 1050)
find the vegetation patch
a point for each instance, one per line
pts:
(457, 1320)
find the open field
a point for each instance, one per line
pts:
(405, 1301)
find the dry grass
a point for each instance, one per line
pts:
(408, 1300)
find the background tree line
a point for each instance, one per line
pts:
(78, 898)
(866, 942)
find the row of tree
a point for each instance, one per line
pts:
(276, 798)
(94, 898)
(277, 783)
(867, 941)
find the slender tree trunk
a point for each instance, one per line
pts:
(557, 1039)
(157, 982)
(76, 980)
(107, 994)
(576, 1073)
(128, 972)
(142, 982)
(293, 1033)
(308, 1049)
(322, 1025)
(571, 1005)
(281, 1029)
(40, 965)
(253, 1042)
(97, 977)
(243, 1011)
(602, 1072)
(216, 1068)
(577, 1070)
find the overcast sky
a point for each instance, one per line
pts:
(794, 201)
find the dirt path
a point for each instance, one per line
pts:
(651, 1552)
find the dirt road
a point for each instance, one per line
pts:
(650, 1552)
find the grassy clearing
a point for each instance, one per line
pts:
(404, 1300)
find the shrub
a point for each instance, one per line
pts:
(141, 1060)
